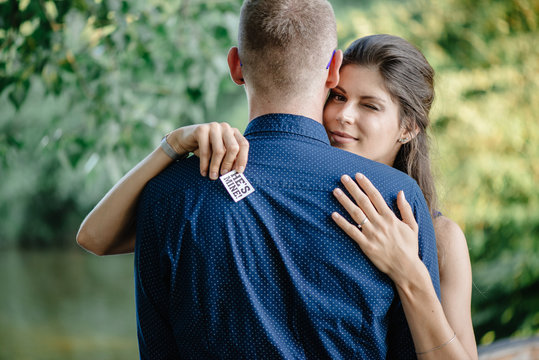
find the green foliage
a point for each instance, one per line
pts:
(87, 88)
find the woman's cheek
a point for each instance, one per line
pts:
(328, 114)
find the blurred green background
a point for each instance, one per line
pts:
(88, 87)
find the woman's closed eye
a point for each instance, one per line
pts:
(372, 107)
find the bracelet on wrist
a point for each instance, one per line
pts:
(170, 151)
(439, 346)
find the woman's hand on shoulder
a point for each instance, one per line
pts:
(220, 147)
(390, 243)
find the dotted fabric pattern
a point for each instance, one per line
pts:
(269, 277)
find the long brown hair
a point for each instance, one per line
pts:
(409, 79)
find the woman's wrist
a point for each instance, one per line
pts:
(413, 277)
(174, 139)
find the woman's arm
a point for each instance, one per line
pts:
(455, 280)
(433, 335)
(110, 227)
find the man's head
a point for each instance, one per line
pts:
(285, 45)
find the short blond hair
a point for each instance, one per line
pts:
(282, 43)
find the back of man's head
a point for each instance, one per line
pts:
(286, 45)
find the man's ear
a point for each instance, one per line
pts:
(234, 64)
(333, 71)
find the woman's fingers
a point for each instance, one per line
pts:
(360, 198)
(385, 240)
(406, 211)
(232, 148)
(374, 195)
(202, 140)
(350, 229)
(218, 149)
(243, 154)
(355, 212)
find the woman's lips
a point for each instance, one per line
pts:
(342, 138)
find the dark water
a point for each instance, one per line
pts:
(66, 305)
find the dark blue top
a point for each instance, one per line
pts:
(270, 276)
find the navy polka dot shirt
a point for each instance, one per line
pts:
(271, 276)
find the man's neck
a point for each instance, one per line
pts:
(310, 109)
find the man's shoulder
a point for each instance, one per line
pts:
(319, 168)
(176, 178)
(381, 175)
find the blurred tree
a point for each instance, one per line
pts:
(93, 84)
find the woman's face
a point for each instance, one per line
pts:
(361, 117)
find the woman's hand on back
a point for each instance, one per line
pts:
(220, 147)
(391, 244)
(110, 227)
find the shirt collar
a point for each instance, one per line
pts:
(288, 123)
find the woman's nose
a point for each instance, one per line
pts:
(346, 116)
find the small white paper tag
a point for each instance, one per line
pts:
(237, 185)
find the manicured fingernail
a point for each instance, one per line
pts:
(240, 169)
(402, 194)
(335, 215)
(213, 175)
(224, 171)
(203, 173)
(359, 176)
(338, 191)
(346, 178)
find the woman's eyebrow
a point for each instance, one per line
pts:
(366, 97)
(372, 97)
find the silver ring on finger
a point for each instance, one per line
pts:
(360, 225)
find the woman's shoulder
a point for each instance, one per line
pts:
(448, 233)
(451, 243)
(446, 228)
